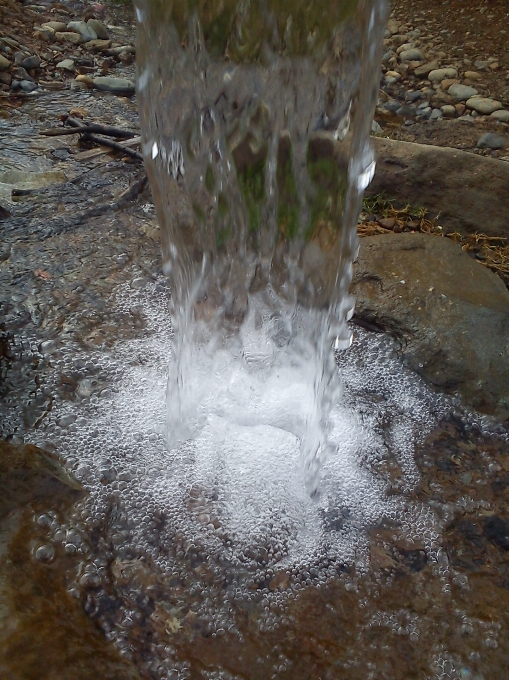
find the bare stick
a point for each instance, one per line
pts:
(101, 129)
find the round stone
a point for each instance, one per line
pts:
(484, 105)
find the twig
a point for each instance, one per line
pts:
(76, 124)
(93, 127)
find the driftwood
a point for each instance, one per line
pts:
(78, 125)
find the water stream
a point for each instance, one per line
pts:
(260, 501)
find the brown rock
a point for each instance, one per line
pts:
(98, 45)
(468, 192)
(387, 222)
(69, 36)
(85, 79)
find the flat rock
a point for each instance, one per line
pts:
(450, 313)
(31, 62)
(484, 105)
(423, 70)
(467, 192)
(440, 74)
(115, 85)
(461, 92)
(69, 36)
(86, 32)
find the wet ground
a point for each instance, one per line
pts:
(87, 604)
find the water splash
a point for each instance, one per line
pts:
(256, 120)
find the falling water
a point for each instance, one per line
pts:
(256, 119)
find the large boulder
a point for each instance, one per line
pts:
(468, 192)
(450, 313)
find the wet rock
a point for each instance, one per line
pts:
(468, 192)
(460, 92)
(99, 28)
(70, 37)
(450, 313)
(20, 73)
(4, 63)
(120, 86)
(490, 141)
(497, 530)
(484, 105)
(86, 31)
(31, 62)
(440, 74)
(28, 473)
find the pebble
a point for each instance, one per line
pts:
(448, 110)
(392, 77)
(411, 55)
(31, 62)
(392, 106)
(393, 26)
(460, 92)
(55, 26)
(436, 114)
(45, 34)
(426, 68)
(472, 75)
(490, 141)
(99, 28)
(66, 65)
(87, 80)
(4, 63)
(21, 74)
(86, 32)
(115, 85)
(484, 105)
(69, 36)
(28, 86)
(439, 74)
(98, 45)
(501, 115)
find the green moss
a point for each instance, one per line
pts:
(252, 185)
(288, 203)
(327, 203)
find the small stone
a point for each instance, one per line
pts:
(21, 74)
(86, 32)
(98, 45)
(460, 109)
(497, 530)
(436, 114)
(490, 141)
(460, 92)
(70, 37)
(484, 105)
(447, 82)
(66, 65)
(449, 111)
(115, 51)
(393, 26)
(439, 74)
(392, 77)
(99, 28)
(82, 78)
(55, 26)
(77, 85)
(481, 65)
(423, 70)
(392, 106)
(115, 85)
(5, 78)
(45, 34)
(501, 115)
(387, 222)
(31, 62)
(411, 55)
(28, 86)
(472, 75)
(494, 66)
(4, 63)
